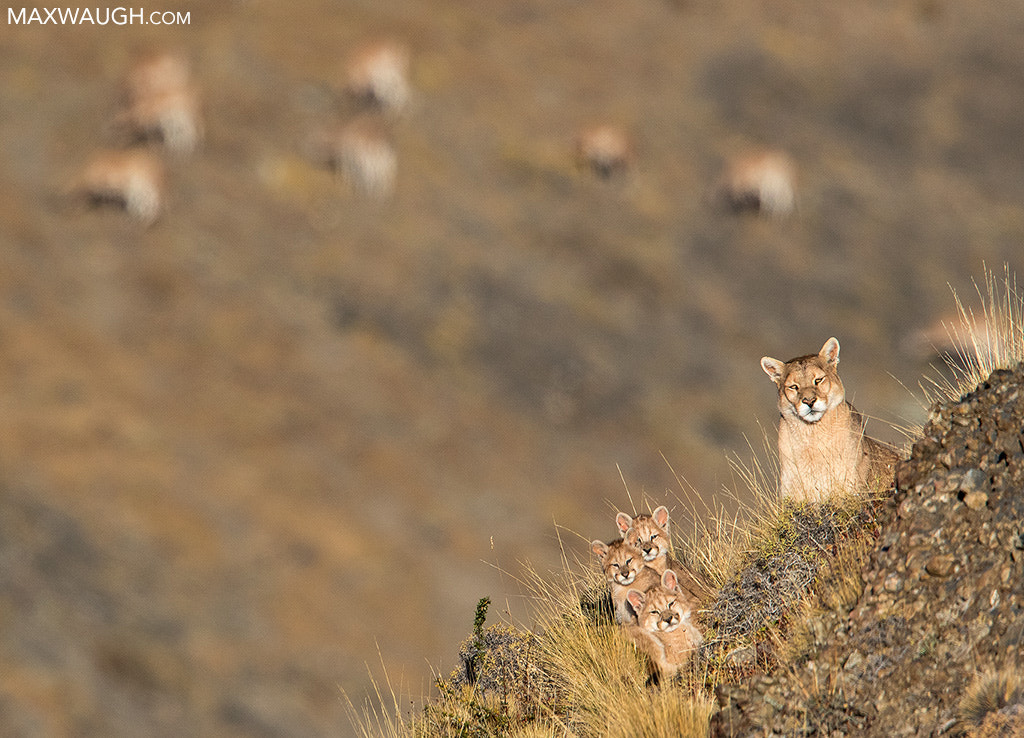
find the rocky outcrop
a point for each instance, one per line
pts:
(942, 600)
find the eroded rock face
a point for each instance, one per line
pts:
(944, 590)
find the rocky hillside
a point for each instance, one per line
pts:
(942, 610)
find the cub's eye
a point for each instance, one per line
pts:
(794, 387)
(654, 536)
(629, 561)
(818, 381)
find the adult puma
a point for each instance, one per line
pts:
(823, 451)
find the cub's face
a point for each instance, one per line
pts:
(620, 561)
(661, 609)
(646, 532)
(809, 386)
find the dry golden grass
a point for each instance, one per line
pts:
(381, 720)
(986, 339)
(603, 677)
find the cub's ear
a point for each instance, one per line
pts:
(635, 598)
(830, 351)
(624, 522)
(669, 580)
(599, 547)
(773, 368)
(661, 517)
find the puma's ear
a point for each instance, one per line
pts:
(830, 351)
(635, 598)
(600, 548)
(773, 368)
(669, 580)
(624, 522)
(661, 517)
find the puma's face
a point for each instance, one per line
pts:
(663, 608)
(663, 611)
(646, 532)
(649, 538)
(809, 386)
(620, 561)
(811, 389)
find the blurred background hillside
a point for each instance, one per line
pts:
(292, 428)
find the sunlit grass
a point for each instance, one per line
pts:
(985, 339)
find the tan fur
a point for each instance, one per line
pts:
(362, 152)
(605, 149)
(132, 179)
(378, 73)
(762, 181)
(665, 629)
(649, 533)
(161, 103)
(823, 451)
(623, 567)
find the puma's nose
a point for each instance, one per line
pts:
(808, 401)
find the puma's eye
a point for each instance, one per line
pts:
(629, 561)
(654, 536)
(794, 387)
(818, 381)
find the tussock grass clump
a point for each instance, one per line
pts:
(986, 339)
(603, 678)
(990, 693)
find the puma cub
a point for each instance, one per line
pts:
(822, 447)
(649, 533)
(624, 568)
(665, 629)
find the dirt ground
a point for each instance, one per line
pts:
(290, 434)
